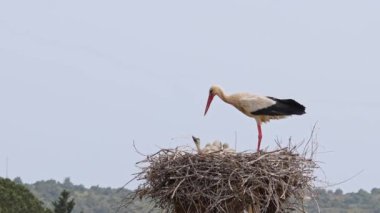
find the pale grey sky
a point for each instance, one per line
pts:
(80, 80)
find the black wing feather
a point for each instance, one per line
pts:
(282, 107)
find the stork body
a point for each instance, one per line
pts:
(261, 108)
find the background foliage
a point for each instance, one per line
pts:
(104, 199)
(15, 198)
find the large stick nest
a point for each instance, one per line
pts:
(181, 180)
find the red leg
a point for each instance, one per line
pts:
(260, 136)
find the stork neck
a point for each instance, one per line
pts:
(198, 147)
(223, 96)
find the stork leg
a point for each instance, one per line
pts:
(259, 137)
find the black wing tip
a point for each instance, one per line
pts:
(301, 107)
(298, 108)
(300, 112)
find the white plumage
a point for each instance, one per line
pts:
(214, 148)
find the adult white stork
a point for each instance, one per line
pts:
(261, 108)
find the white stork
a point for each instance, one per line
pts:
(261, 108)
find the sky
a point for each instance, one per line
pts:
(80, 81)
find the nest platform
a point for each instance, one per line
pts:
(181, 180)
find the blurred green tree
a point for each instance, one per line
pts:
(12, 193)
(63, 205)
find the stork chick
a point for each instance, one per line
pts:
(197, 142)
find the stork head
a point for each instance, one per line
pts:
(214, 90)
(196, 140)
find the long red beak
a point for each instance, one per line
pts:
(210, 97)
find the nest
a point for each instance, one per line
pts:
(182, 180)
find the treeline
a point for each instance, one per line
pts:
(87, 200)
(55, 197)
(338, 202)
(43, 194)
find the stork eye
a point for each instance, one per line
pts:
(210, 91)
